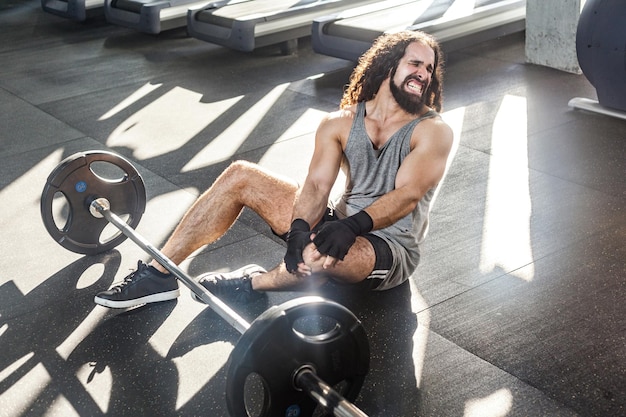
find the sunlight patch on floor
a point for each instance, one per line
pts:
(197, 367)
(498, 404)
(229, 142)
(506, 240)
(93, 319)
(130, 100)
(167, 123)
(98, 383)
(28, 388)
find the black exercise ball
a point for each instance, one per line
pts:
(601, 49)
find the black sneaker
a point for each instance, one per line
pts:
(145, 285)
(235, 286)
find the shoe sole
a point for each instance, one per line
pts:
(154, 298)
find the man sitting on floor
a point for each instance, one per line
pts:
(393, 146)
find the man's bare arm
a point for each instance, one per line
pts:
(313, 196)
(420, 171)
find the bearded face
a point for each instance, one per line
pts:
(410, 94)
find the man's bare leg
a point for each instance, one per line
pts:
(242, 184)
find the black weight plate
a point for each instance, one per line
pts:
(77, 180)
(271, 351)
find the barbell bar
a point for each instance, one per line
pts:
(297, 370)
(100, 207)
(304, 378)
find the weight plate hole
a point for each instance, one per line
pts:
(256, 396)
(60, 211)
(316, 327)
(107, 171)
(110, 232)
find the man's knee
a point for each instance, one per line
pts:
(237, 175)
(240, 169)
(356, 266)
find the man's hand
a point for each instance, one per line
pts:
(335, 238)
(298, 237)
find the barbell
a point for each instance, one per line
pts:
(296, 359)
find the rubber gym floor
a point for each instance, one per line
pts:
(517, 308)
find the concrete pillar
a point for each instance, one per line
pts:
(551, 33)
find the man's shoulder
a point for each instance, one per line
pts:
(433, 129)
(336, 125)
(347, 113)
(339, 119)
(433, 120)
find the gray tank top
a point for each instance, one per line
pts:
(371, 173)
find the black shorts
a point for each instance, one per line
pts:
(382, 251)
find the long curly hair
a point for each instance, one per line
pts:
(382, 58)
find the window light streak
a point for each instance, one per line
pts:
(136, 96)
(230, 140)
(167, 123)
(9, 370)
(306, 123)
(460, 8)
(197, 367)
(316, 76)
(172, 327)
(209, 358)
(506, 240)
(24, 392)
(15, 191)
(298, 139)
(420, 337)
(97, 383)
(158, 227)
(498, 404)
(61, 406)
(454, 119)
(83, 330)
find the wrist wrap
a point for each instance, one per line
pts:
(335, 238)
(359, 223)
(298, 237)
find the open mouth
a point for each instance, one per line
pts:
(415, 86)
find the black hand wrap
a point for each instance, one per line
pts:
(336, 237)
(298, 237)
